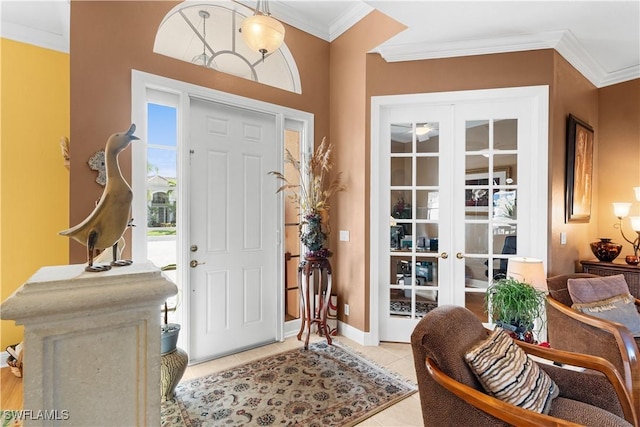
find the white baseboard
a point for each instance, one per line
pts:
(291, 328)
(361, 337)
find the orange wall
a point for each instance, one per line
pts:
(348, 114)
(571, 93)
(110, 38)
(618, 157)
(33, 180)
(338, 80)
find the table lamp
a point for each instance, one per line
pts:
(621, 211)
(527, 270)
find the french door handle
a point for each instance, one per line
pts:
(459, 255)
(195, 263)
(444, 255)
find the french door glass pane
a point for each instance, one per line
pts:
(401, 138)
(477, 135)
(413, 218)
(427, 171)
(402, 171)
(506, 134)
(490, 203)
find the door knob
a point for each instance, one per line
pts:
(195, 263)
(444, 255)
(459, 255)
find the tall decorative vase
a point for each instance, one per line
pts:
(312, 235)
(172, 367)
(606, 250)
(173, 361)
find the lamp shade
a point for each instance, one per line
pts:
(637, 191)
(262, 33)
(621, 210)
(527, 270)
(635, 223)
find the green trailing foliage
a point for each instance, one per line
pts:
(513, 302)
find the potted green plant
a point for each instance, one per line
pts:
(514, 306)
(169, 333)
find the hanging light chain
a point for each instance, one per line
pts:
(204, 15)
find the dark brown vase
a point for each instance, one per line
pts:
(632, 260)
(606, 250)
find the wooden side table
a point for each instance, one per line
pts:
(308, 271)
(631, 272)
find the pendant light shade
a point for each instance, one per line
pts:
(261, 32)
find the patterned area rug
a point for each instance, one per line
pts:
(403, 308)
(323, 386)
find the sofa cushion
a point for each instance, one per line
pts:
(590, 289)
(620, 309)
(584, 414)
(507, 373)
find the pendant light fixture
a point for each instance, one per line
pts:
(203, 59)
(261, 32)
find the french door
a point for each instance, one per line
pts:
(461, 187)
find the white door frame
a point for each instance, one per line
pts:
(539, 98)
(140, 82)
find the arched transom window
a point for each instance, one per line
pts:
(206, 34)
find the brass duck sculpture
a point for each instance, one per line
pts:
(104, 227)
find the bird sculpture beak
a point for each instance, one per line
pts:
(130, 132)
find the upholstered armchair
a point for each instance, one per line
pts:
(451, 394)
(578, 332)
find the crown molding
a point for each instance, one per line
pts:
(426, 50)
(571, 50)
(620, 76)
(54, 35)
(563, 41)
(348, 19)
(33, 36)
(306, 23)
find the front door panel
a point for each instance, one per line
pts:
(233, 225)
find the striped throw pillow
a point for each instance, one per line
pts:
(507, 373)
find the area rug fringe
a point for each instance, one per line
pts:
(323, 386)
(383, 370)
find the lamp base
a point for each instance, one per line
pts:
(632, 260)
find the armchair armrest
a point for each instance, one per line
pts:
(518, 416)
(589, 362)
(627, 347)
(504, 411)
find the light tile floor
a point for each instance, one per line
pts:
(393, 356)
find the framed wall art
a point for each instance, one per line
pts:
(579, 173)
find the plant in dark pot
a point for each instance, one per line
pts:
(169, 333)
(514, 306)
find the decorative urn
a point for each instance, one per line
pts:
(605, 250)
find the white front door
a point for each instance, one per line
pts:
(461, 187)
(233, 229)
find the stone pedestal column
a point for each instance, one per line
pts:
(92, 345)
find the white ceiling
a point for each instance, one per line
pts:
(600, 38)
